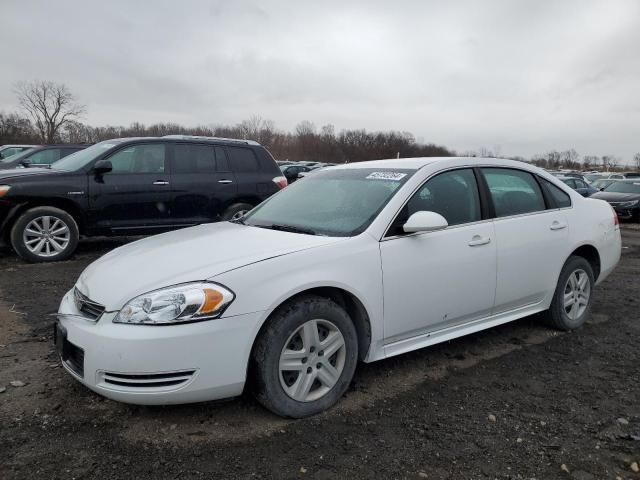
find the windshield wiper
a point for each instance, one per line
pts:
(239, 221)
(288, 228)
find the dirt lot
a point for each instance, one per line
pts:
(520, 402)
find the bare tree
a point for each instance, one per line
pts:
(636, 160)
(50, 105)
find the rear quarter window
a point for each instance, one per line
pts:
(561, 198)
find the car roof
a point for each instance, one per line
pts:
(193, 138)
(420, 162)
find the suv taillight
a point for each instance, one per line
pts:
(281, 182)
(616, 220)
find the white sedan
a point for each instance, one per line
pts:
(358, 262)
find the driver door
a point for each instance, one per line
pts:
(435, 280)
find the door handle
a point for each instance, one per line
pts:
(225, 181)
(556, 225)
(478, 240)
(161, 182)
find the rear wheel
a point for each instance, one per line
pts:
(44, 234)
(304, 360)
(236, 211)
(571, 305)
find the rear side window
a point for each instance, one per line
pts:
(561, 198)
(513, 192)
(243, 160)
(194, 158)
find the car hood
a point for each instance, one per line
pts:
(191, 254)
(24, 172)
(616, 197)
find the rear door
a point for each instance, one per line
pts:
(201, 182)
(531, 235)
(136, 195)
(253, 175)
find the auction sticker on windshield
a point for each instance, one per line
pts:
(396, 176)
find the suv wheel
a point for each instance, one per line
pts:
(571, 305)
(44, 234)
(304, 360)
(236, 211)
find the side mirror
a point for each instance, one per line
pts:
(25, 163)
(425, 222)
(102, 166)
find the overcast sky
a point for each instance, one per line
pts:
(521, 77)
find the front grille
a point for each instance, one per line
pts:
(146, 381)
(88, 308)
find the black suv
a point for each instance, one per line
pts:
(39, 156)
(132, 186)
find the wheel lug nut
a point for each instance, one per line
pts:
(318, 365)
(309, 370)
(312, 349)
(321, 353)
(304, 360)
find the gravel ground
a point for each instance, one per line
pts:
(517, 402)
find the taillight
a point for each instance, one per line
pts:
(281, 182)
(616, 220)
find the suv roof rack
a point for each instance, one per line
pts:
(217, 139)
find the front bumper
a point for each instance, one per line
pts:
(157, 365)
(626, 213)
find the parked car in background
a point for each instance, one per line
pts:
(624, 197)
(631, 174)
(39, 156)
(9, 150)
(359, 262)
(570, 174)
(292, 172)
(579, 185)
(131, 186)
(603, 183)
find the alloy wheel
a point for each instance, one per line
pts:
(46, 236)
(576, 294)
(312, 360)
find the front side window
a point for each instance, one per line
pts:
(338, 203)
(45, 157)
(513, 192)
(145, 158)
(453, 194)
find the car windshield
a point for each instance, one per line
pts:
(333, 202)
(593, 177)
(623, 187)
(80, 159)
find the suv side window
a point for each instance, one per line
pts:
(561, 198)
(45, 157)
(193, 158)
(514, 192)
(142, 158)
(453, 194)
(243, 160)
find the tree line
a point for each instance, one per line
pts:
(52, 114)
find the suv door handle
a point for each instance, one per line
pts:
(161, 182)
(478, 240)
(556, 225)
(225, 181)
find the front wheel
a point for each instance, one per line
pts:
(571, 305)
(305, 358)
(45, 234)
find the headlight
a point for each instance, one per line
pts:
(628, 204)
(4, 189)
(189, 302)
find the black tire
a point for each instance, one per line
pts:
(266, 353)
(557, 315)
(235, 209)
(18, 230)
